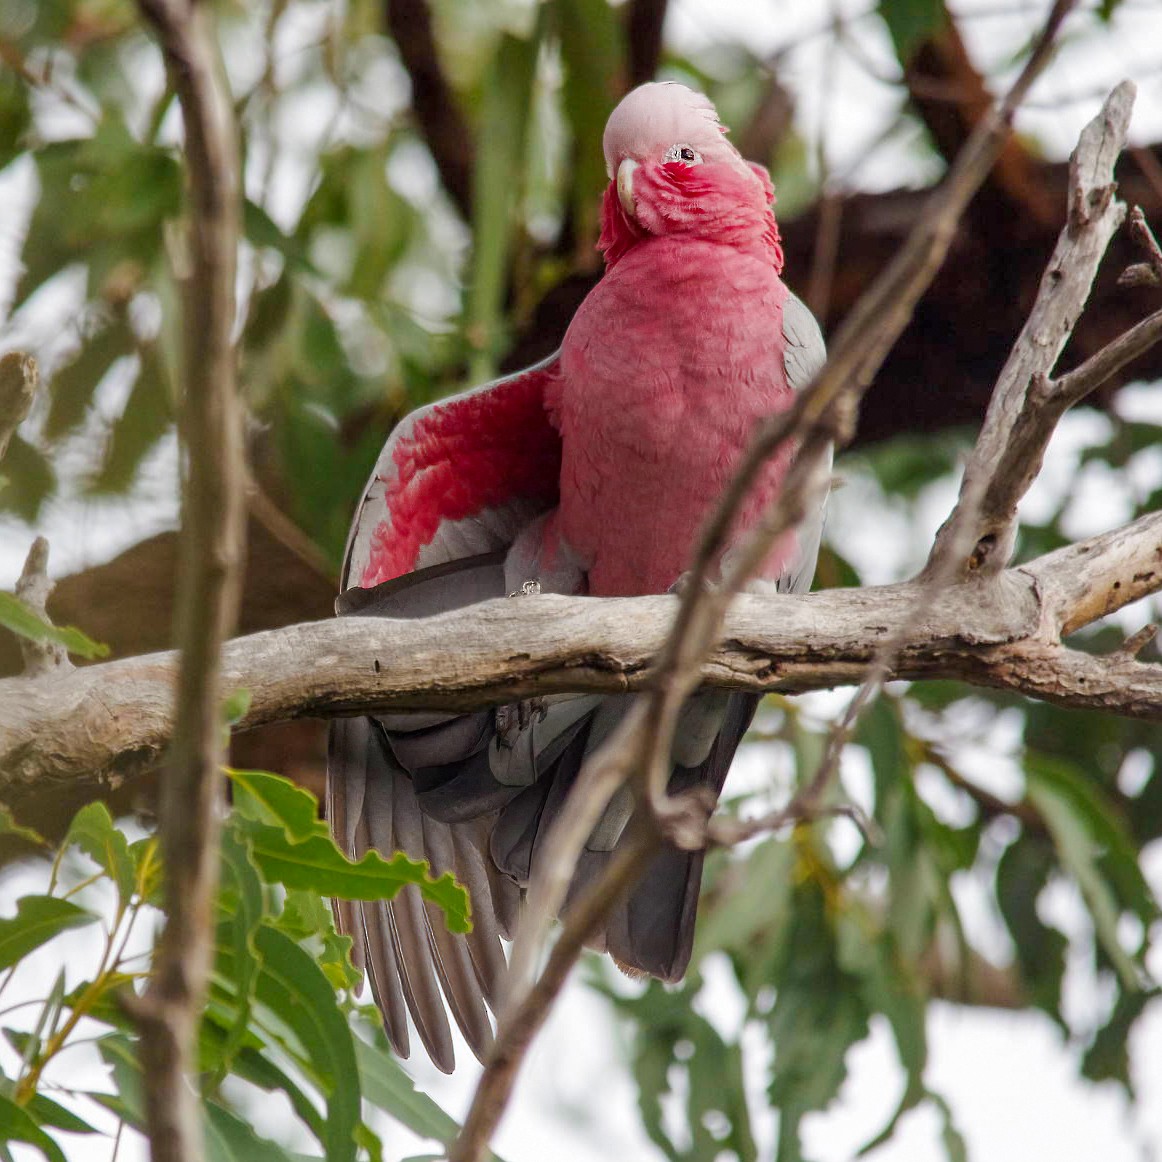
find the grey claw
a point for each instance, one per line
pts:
(528, 589)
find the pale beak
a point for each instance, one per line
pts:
(625, 185)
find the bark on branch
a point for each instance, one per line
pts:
(109, 722)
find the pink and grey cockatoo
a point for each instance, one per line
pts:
(590, 473)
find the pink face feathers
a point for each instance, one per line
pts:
(673, 173)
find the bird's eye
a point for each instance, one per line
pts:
(683, 153)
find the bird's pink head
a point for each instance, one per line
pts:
(674, 173)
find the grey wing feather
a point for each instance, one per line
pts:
(485, 532)
(804, 356)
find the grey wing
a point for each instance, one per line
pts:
(805, 354)
(500, 413)
(493, 451)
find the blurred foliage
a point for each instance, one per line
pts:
(364, 291)
(281, 1017)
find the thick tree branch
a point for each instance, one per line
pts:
(213, 528)
(105, 723)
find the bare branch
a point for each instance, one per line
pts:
(209, 580)
(981, 531)
(19, 379)
(109, 722)
(41, 658)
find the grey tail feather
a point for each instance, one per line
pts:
(428, 785)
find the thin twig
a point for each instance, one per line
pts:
(209, 580)
(1148, 273)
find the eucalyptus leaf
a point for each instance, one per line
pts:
(25, 622)
(38, 919)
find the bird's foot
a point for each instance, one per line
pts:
(515, 718)
(529, 589)
(679, 588)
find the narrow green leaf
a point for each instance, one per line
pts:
(73, 386)
(294, 986)
(508, 98)
(26, 479)
(50, 1113)
(388, 1087)
(93, 831)
(17, 1124)
(230, 1139)
(292, 846)
(147, 417)
(9, 826)
(24, 622)
(241, 908)
(592, 41)
(38, 919)
(1079, 853)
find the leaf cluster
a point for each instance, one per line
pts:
(281, 1017)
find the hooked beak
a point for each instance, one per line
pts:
(625, 185)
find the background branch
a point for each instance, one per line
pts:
(444, 127)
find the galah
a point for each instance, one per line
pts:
(589, 473)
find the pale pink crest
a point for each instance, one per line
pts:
(658, 115)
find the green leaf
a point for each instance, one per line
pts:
(230, 1139)
(1073, 836)
(911, 22)
(235, 706)
(9, 826)
(294, 987)
(306, 918)
(147, 417)
(591, 41)
(26, 623)
(27, 479)
(1022, 873)
(93, 831)
(241, 908)
(254, 1066)
(507, 100)
(147, 869)
(38, 919)
(73, 386)
(50, 1113)
(389, 1088)
(17, 1124)
(15, 116)
(292, 846)
(817, 1017)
